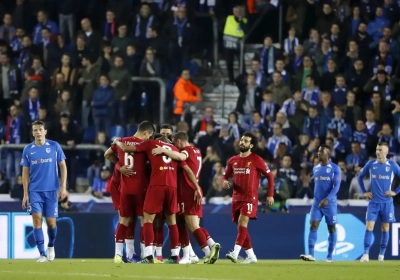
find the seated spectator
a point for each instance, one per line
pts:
(381, 108)
(102, 103)
(276, 138)
(296, 62)
(43, 21)
(355, 191)
(258, 126)
(287, 170)
(311, 92)
(225, 144)
(70, 73)
(356, 78)
(338, 145)
(281, 190)
(132, 60)
(339, 93)
(310, 153)
(209, 159)
(376, 26)
(267, 108)
(323, 54)
(101, 185)
(357, 156)
(105, 60)
(296, 109)
(286, 76)
(268, 55)
(328, 79)
(279, 155)
(216, 189)
(31, 80)
(380, 83)
(17, 190)
(288, 128)
(298, 150)
(304, 186)
(58, 84)
(352, 112)
(7, 30)
(360, 134)
(209, 139)
(290, 42)
(314, 126)
(339, 124)
(234, 129)
(30, 108)
(4, 184)
(65, 104)
(79, 50)
(385, 135)
(201, 125)
(304, 71)
(90, 76)
(280, 91)
(262, 150)
(151, 66)
(311, 44)
(96, 158)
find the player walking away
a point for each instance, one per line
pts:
(381, 172)
(42, 187)
(327, 176)
(246, 168)
(190, 209)
(133, 189)
(161, 195)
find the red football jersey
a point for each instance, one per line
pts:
(163, 168)
(136, 183)
(194, 161)
(246, 176)
(116, 176)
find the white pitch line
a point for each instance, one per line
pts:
(108, 275)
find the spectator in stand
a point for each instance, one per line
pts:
(258, 126)
(338, 144)
(10, 82)
(44, 44)
(382, 83)
(110, 26)
(216, 189)
(201, 125)
(209, 139)
(143, 20)
(66, 18)
(323, 54)
(101, 185)
(268, 55)
(356, 78)
(70, 73)
(45, 117)
(288, 128)
(351, 23)
(325, 108)
(17, 190)
(312, 43)
(296, 109)
(357, 157)
(328, 79)
(296, 62)
(338, 123)
(26, 54)
(206, 174)
(187, 92)
(65, 104)
(376, 26)
(248, 99)
(106, 58)
(360, 134)
(381, 108)
(281, 187)
(338, 40)
(352, 112)
(287, 170)
(310, 153)
(30, 107)
(267, 108)
(132, 60)
(121, 82)
(234, 128)
(7, 30)
(16, 43)
(355, 191)
(102, 103)
(339, 93)
(385, 135)
(57, 86)
(261, 79)
(351, 57)
(303, 72)
(280, 91)
(298, 150)
(311, 92)
(4, 184)
(384, 57)
(122, 41)
(157, 43)
(304, 186)
(92, 37)
(277, 138)
(326, 19)
(225, 144)
(363, 39)
(290, 42)
(43, 21)
(96, 158)
(90, 76)
(286, 77)
(314, 125)
(80, 50)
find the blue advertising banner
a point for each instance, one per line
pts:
(274, 236)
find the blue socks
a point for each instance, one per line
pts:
(384, 242)
(312, 238)
(39, 238)
(332, 243)
(367, 241)
(52, 233)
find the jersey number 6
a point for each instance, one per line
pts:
(128, 160)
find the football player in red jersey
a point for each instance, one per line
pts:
(161, 194)
(246, 169)
(133, 190)
(189, 203)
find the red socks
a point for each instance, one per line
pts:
(183, 236)
(174, 236)
(200, 237)
(247, 242)
(205, 233)
(242, 235)
(130, 233)
(148, 234)
(159, 236)
(116, 230)
(121, 233)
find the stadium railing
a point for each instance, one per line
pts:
(79, 147)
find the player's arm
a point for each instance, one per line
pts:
(125, 148)
(25, 184)
(267, 174)
(337, 176)
(198, 194)
(178, 156)
(396, 171)
(364, 171)
(63, 170)
(110, 155)
(227, 175)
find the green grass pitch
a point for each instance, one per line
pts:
(77, 269)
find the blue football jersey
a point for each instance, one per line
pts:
(326, 182)
(381, 176)
(43, 165)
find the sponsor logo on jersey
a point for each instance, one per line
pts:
(350, 238)
(322, 178)
(41, 160)
(382, 177)
(241, 170)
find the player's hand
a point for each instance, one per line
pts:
(270, 200)
(226, 185)
(63, 193)
(157, 151)
(198, 196)
(368, 195)
(25, 201)
(115, 141)
(389, 193)
(323, 203)
(126, 171)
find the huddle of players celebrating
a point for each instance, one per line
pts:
(173, 195)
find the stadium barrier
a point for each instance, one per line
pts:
(276, 236)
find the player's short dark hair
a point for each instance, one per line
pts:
(39, 123)
(181, 135)
(146, 126)
(383, 144)
(253, 138)
(324, 146)
(167, 126)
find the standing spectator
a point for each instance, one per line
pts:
(268, 55)
(92, 37)
(323, 54)
(351, 23)
(339, 93)
(88, 82)
(209, 159)
(26, 54)
(234, 129)
(249, 97)
(43, 45)
(185, 92)
(296, 109)
(384, 57)
(22, 15)
(312, 43)
(338, 39)
(287, 170)
(97, 158)
(311, 92)
(16, 43)
(257, 126)
(216, 189)
(280, 91)
(381, 83)
(288, 128)
(43, 21)
(102, 103)
(352, 112)
(55, 51)
(304, 186)
(376, 26)
(144, 19)
(314, 126)
(261, 79)
(267, 108)
(207, 140)
(277, 138)
(57, 86)
(356, 78)
(326, 19)
(70, 73)
(151, 66)
(30, 108)
(7, 30)
(66, 18)
(122, 41)
(122, 83)
(328, 79)
(339, 124)
(385, 135)
(234, 31)
(355, 191)
(303, 72)
(31, 80)
(225, 144)
(132, 60)
(110, 26)
(79, 50)
(157, 43)
(357, 156)
(363, 39)
(65, 104)
(10, 82)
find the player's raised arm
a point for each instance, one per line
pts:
(364, 171)
(336, 179)
(178, 156)
(110, 155)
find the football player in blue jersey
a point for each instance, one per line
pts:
(40, 161)
(381, 172)
(327, 176)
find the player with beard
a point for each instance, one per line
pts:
(246, 169)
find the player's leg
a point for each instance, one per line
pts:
(158, 227)
(130, 239)
(171, 208)
(242, 223)
(387, 217)
(52, 234)
(315, 219)
(371, 216)
(183, 239)
(330, 213)
(210, 241)
(38, 235)
(123, 231)
(50, 212)
(142, 246)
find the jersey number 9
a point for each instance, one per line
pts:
(128, 160)
(165, 158)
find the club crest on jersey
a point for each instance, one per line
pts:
(248, 164)
(328, 170)
(48, 150)
(235, 163)
(387, 169)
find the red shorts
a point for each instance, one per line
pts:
(115, 194)
(186, 203)
(244, 208)
(161, 198)
(131, 205)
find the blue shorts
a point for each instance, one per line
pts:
(44, 202)
(385, 211)
(330, 213)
